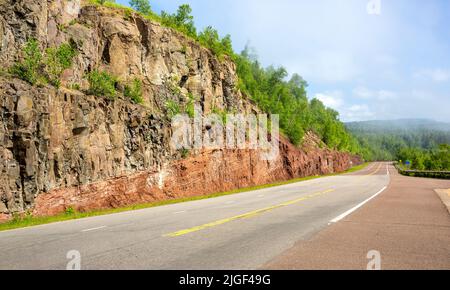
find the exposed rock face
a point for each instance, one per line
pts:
(63, 148)
(57, 139)
(207, 172)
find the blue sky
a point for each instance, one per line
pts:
(395, 64)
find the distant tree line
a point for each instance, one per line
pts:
(437, 159)
(425, 149)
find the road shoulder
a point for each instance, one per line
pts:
(407, 224)
(444, 195)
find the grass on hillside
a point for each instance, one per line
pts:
(28, 220)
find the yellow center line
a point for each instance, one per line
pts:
(370, 174)
(378, 169)
(245, 215)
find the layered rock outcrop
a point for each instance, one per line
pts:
(62, 148)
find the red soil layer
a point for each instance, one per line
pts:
(205, 173)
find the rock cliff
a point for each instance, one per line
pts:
(63, 148)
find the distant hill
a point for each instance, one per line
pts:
(383, 139)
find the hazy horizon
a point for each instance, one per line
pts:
(401, 119)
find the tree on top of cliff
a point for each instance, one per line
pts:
(142, 6)
(182, 20)
(209, 37)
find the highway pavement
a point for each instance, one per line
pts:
(241, 231)
(407, 227)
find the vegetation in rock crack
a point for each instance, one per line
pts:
(134, 91)
(184, 153)
(190, 106)
(38, 68)
(102, 83)
(172, 108)
(57, 60)
(28, 68)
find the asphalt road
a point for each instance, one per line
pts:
(242, 231)
(407, 226)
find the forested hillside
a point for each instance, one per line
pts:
(269, 88)
(423, 142)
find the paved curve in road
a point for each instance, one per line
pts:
(242, 231)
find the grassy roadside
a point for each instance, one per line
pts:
(29, 221)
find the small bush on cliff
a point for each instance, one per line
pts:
(102, 84)
(69, 211)
(134, 91)
(173, 109)
(38, 68)
(57, 60)
(28, 68)
(190, 106)
(184, 153)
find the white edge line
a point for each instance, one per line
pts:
(93, 229)
(347, 213)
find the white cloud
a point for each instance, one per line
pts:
(386, 95)
(331, 99)
(367, 94)
(386, 60)
(327, 66)
(362, 93)
(348, 112)
(436, 75)
(357, 112)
